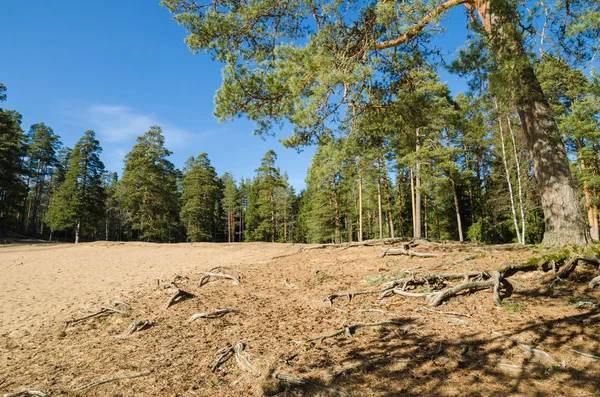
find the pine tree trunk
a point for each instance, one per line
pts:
(510, 190)
(379, 212)
(360, 202)
(457, 209)
(562, 214)
(338, 222)
(519, 181)
(417, 221)
(386, 192)
(412, 199)
(77, 229)
(400, 200)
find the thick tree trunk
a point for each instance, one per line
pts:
(562, 214)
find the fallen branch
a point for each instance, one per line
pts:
(26, 393)
(135, 327)
(178, 296)
(207, 275)
(568, 267)
(350, 330)
(216, 314)
(114, 379)
(240, 355)
(586, 354)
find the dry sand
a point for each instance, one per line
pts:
(44, 285)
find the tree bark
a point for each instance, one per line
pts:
(360, 202)
(562, 214)
(457, 209)
(417, 233)
(386, 192)
(77, 229)
(379, 212)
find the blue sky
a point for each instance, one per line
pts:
(118, 67)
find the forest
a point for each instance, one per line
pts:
(512, 159)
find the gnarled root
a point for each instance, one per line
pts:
(240, 355)
(27, 393)
(135, 327)
(216, 314)
(349, 330)
(218, 272)
(178, 296)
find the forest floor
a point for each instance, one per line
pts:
(466, 347)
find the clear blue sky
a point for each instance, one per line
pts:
(120, 66)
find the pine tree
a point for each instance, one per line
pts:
(150, 188)
(230, 204)
(199, 199)
(79, 201)
(43, 145)
(12, 151)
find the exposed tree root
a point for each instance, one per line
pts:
(178, 296)
(527, 348)
(217, 272)
(26, 393)
(444, 312)
(216, 314)
(595, 281)
(135, 327)
(104, 311)
(586, 354)
(240, 355)
(349, 330)
(408, 252)
(351, 295)
(288, 284)
(292, 380)
(361, 366)
(114, 379)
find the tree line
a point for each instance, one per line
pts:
(455, 168)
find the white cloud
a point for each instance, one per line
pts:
(121, 124)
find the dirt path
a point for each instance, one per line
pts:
(282, 299)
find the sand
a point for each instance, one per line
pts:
(282, 299)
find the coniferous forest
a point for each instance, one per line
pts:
(512, 159)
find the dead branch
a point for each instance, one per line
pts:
(104, 311)
(408, 252)
(350, 330)
(216, 314)
(114, 379)
(240, 355)
(586, 354)
(135, 327)
(443, 312)
(207, 275)
(26, 393)
(178, 296)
